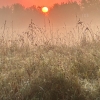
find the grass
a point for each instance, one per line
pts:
(50, 71)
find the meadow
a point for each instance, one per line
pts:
(62, 66)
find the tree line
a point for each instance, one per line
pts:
(69, 13)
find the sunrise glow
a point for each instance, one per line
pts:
(45, 9)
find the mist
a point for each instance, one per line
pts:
(50, 56)
(60, 19)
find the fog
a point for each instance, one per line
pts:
(59, 21)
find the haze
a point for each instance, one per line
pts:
(61, 18)
(28, 3)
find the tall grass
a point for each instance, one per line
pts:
(51, 70)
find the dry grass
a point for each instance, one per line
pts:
(50, 71)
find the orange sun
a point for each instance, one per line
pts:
(45, 9)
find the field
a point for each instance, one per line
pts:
(34, 67)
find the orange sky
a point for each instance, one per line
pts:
(29, 3)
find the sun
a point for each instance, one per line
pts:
(45, 9)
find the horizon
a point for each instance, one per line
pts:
(36, 3)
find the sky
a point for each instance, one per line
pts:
(28, 3)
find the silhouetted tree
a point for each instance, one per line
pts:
(91, 7)
(59, 14)
(5, 14)
(65, 13)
